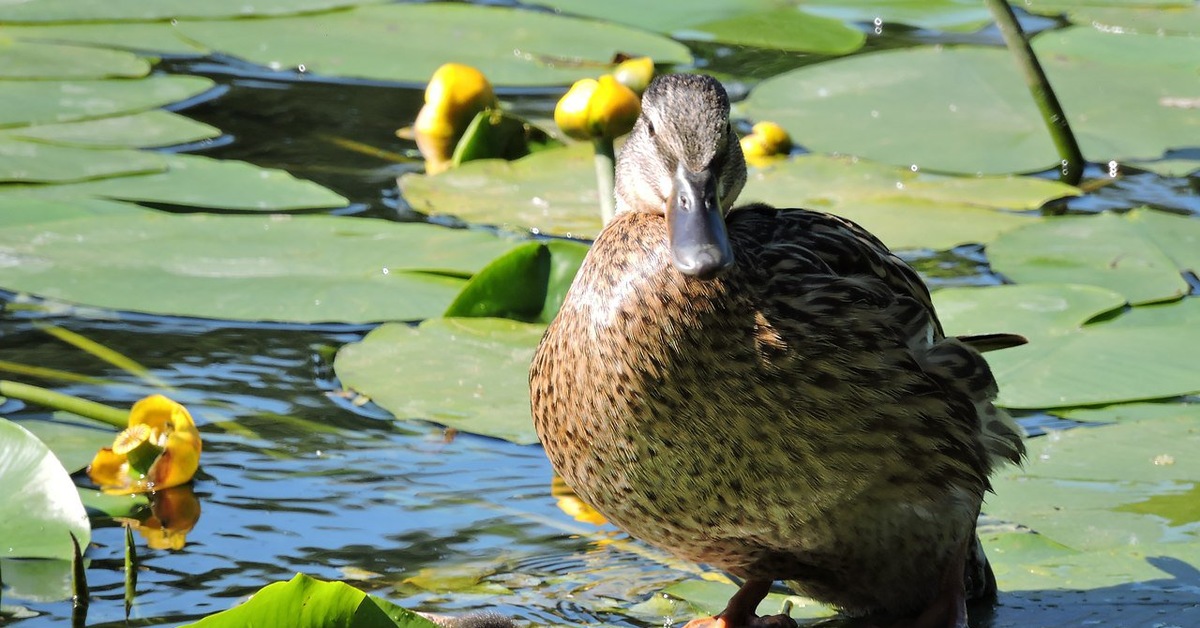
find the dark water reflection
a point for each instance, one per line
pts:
(297, 479)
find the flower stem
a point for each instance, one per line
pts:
(606, 167)
(1043, 94)
(59, 401)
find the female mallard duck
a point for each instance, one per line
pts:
(768, 390)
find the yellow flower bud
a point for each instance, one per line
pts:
(635, 73)
(455, 94)
(597, 109)
(766, 141)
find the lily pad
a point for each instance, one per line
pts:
(140, 130)
(74, 440)
(1035, 311)
(157, 37)
(197, 181)
(161, 10)
(36, 102)
(407, 42)
(943, 15)
(528, 283)
(471, 374)
(554, 191)
(1140, 254)
(39, 507)
(278, 268)
(22, 59)
(1184, 312)
(1133, 412)
(966, 109)
(1150, 17)
(20, 209)
(304, 602)
(33, 162)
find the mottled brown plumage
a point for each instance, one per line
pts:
(771, 393)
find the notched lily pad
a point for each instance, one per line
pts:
(26, 60)
(407, 42)
(1032, 310)
(278, 268)
(471, 374)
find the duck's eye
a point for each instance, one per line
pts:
(650, 127)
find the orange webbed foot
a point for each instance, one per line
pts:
(739, 613)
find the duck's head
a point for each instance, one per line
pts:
(682, 160)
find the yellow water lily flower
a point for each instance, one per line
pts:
(595, 109)
(455, 95)
(159, 449)
(635, 73)
(766, 142)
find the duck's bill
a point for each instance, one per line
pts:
(696, 226)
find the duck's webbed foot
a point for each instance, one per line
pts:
(739, 613)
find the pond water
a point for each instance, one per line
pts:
(297, 478)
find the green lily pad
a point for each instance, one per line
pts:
(761, 23)
(709, 597)
(943, 15)
(528, 283)
(966, 109)
(1184, 312)
(1099, 365)
(1078, 486)
(73, 439)
(554, 191)
(147, 129)
(33, 162)
(39, 580)
(1140, 254)
(113, 505)
(1168, 167)
(160, 10)
(1033, 310)
(158, 37)
(1150, 17)
(1133, 412)
(277, 268)
(305, 602)
(407, 42)
(22, 59)
(20, 209)
(197, 181)
(39, 508)
(471, 374)
(37, 102)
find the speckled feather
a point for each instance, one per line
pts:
(801, 417)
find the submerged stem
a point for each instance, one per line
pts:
(606, 164)
(1043, 93)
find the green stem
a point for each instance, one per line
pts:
(59, 401)
(1043, 94)
(606, 168)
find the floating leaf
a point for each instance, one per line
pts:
(1184, 312)
(554, 191)
(158, 37)
(528, 283)
(138, 10)
(140, 130)
(739, 22)
(32, 162)
(1133, 412)
(302, 268)
(19, 209)
(709, 597)
(73, 439)
(966, 109)
(36, 102)
(197, 181)
(1032, 310)
(468, 373)
(943, 15)
(304, 602)
(1139, 254)
(407, 42)
(1149, 17)
(39, 507)
(21, 59)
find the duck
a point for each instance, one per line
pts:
(768, 391)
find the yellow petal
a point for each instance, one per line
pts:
(635, 73)
(613, 108)
(109, 469)
(178, 462)
(571, 112)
